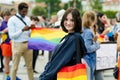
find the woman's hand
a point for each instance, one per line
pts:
(96, 37)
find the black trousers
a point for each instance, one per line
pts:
(50, 54)
(35, 55)
(1, 59)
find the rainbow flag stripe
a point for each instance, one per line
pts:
(77, 72)
(101, 38)
(45, 38)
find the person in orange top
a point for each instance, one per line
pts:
(118, 49)
(6, 45)
(118, 42)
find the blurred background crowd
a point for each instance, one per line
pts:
(48, 13)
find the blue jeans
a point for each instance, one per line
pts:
(90, 58)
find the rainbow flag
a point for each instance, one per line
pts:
(101, 38)
(45, 38)
(76, 72)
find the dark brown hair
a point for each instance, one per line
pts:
(76, 17)
(22, 5)
(6, 13)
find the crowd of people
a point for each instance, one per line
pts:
(15, 30)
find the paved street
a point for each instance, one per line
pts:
(41, 61)
(22, 72)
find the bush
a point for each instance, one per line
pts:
(110, 14)
(37, 11)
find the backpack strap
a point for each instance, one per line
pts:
(21, 19)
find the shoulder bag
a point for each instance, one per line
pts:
(21, 19)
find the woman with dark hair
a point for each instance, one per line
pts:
(65, 52)
(103, 25)
(103, 29)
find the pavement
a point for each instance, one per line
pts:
(41, 62)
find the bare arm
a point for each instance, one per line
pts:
(5, 30)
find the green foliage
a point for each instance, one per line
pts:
(70, 4)
(110, 14)
(52, 4)
(40, 0)
(96, 4)
(79, 5)
(37, 11)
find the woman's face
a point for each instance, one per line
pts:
(103, 18)
(69, 23)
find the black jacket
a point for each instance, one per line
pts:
(64, 55)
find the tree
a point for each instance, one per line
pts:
(37, 11)
(52, 5)
(78, 4)
(110, 14)
(96, 4)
